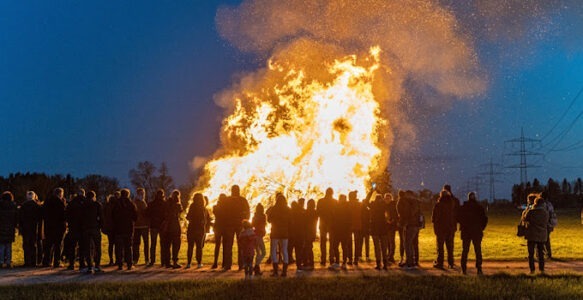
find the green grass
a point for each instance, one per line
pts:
(402, 286)
(500, 241)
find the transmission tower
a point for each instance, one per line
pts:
(491, 173)
(523, 153)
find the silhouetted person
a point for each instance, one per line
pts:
(393, 220)
(124, 217)
(296, 234)
(341, 231)
(536, 221)
(379, 231)
(156, 211)
(355, 227)
(236, 210)
(172, 231)
(92, 224)
(248, 242)
(8, 223)
(365, 218)
(444, 227)
(219, 228)
(325, 211)
(553, 221)
(409, 212)
(311, 217)
(473, 220)
(401, 232)
(141, 228)
(54, 226)
(30, 227)
(74, 215)
(259, 223)
(279, 216)
(197, 217)
(110, 203)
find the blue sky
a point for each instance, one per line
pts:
(95, 87)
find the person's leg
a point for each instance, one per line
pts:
(391, 245)
(218, 240)
(540, 251)
(97, 243)
(401, 232)
(154, 232)
(410, 234)
(260, 251)
(416, 247)
(349, 251)
(449, 245)
(228, 248)
(240, 262)
(530, 246)
(199, 241)
(136, 245)
(323, 241)
(465, 251)
(478, 249)
(175, 249)
(548, 250)
(440, 239)
(119, 249)
(110, 243)
(357, 245)
(377, 250)
(128, 251)
(189, 249)
(3, 250)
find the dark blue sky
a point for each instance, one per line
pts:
(93, 87)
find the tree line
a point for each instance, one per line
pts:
(562, 194)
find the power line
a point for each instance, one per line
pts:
(492, 172)
(564, 113)
(523, 153)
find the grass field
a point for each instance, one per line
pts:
(404, 287)
(500, 241)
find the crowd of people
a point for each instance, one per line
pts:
(58, 231)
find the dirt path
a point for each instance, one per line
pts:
(141, 273)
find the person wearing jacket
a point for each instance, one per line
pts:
(355, 227)
(259, 223)
(279, 216)
(296, 234)
(248, 243)
(172, 231)
(536, 222)
(444, 227)
(124, 217)
(324, 209)
(219, 229)
(365, 218)
(311, 218)
(393, 220)
(155, 212)
(473, 220)
(341, 232)
(236, 210)
(92, 224)
(409, 212)
(30, 227)
(197, 217)
(54, 227)
(8, 224)
(74, 215)
(141, 228)
(107, 229)
(379, 231)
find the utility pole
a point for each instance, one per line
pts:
(492, 172)
(523, 153)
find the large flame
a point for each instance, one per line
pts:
(301, 135)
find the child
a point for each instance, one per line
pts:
(259, 222)
(248, 242)
(8, 221)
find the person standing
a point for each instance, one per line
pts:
(30, 227)
(219, 229)
(92, 224)
(393, 220)
(365, 218)
(141, 228)
(444, 226)
(236, 210)
(325, 210)
(74, 214)
(173, 231)
(356, 227)
(248, 243)
(197, 217)
(553, 222)
(280, 217)
(409, 212)
(473, 220)
(8, 223)
(54, 227)
(259, 223)
(379, 231)
(311, 228)
(536, 222)
(107, 229)
(156, 211)
(124, 217)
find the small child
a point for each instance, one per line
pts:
(248, 242)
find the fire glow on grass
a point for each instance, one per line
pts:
(300, 135)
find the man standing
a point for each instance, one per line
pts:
(444, 226)
(393, 219)
(92, 224)
(54, 226)
(325, 212)
(124, 216)
(141, 228)
(156, 212)
(473, 220)
(30, 227)
(237, 210)
(409, 211)
(74, 214)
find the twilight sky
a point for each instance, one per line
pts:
(97, 86)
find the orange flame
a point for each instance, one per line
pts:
(300, 135)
